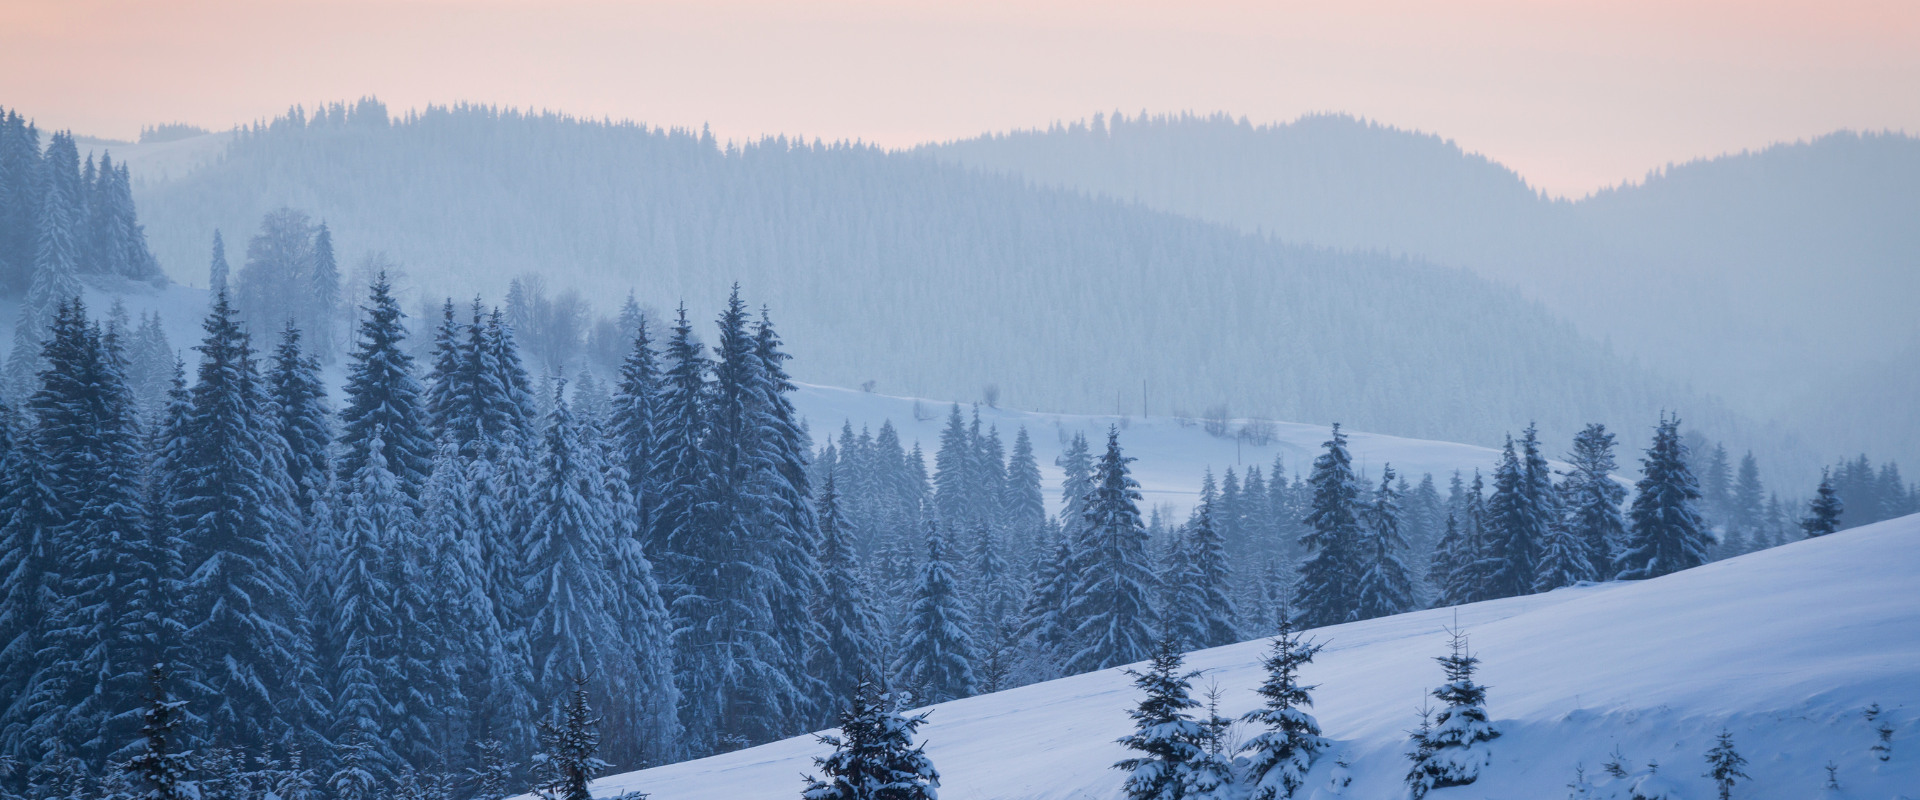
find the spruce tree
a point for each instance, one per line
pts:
(1454, 751)
(162, 768)
(1563, 560)
(1666, 534)
(843, 608)
(375, 530)
(1594, 499)
(955, 494)
(1024, 504)
(232, 512)
(569, 760)
(1111, 601)
(791, 543)
(1824, 510)
(873, 755)
(383, 392)
(1202, 615)
(1282, 755)
(937, 651)
(1324, 593)
(1165, 735)
(1516, 526)
(1723, 765)
(1746, 516)
(1386, 587)
(299, 398)
(217, 271)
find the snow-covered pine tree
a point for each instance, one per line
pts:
(1112, 598)
(1563, 560)
(1281, 755)
(791, 543)
(843, 609)
(1024, 504)
(1166, 735)
(1043, 630)
(1517, 522)
(1386, 587)
(936, 649)
(1666, 534)
(644, 724)
(954, 493)
(874, 755)
(1204, 615)
(1455, 749)
(1324, 593)
(364, 635)
(449, 392)
(1747, 516)
(218, 271)
(162, 768)
(30, 562)
(570, 745)
(1724, 763)
(1824, 510)
(383, 392)
(631, 421)
(299, 398)
(232, 512)
(323, 298)
(1594, 499)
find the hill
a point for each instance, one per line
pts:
(1778, 279)
(1785, 648)
(932, 280)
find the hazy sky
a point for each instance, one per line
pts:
(1573, 95)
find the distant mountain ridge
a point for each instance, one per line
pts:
(1777, 278)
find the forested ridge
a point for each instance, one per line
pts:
(929, 280)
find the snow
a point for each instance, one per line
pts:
(1170, 453)
(1784, 648)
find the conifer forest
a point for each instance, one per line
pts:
(474, 452)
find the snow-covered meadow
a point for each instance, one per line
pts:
(1785, 648)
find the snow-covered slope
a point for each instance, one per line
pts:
(1170, 453)
(1784, 648)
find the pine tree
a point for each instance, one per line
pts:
(1281, 756)
(1024, 504)
(1666, 535)
(162, 770)
(843, 609)
(1563, 560)
(1517, 522)
(1165, 732)
(299, 398)
(376, 526)
(955, 494)
(1723, 765)
(571, 744)
(1746, 517)
(1043, 626)
(1594, 498)
(1199, 613)
(631, 421)
(382, 392)
(323, 298)
(874, 756)
(232, 510)
(1325, 590)
(1824, 510)
(217, 271)
(1386, 587)
(937, 652)
(1111, 598)
(1455, 749)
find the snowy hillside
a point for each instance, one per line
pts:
(1171, 452)
(1784, 648)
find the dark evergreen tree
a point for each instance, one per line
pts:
(1200, 613)
(1024, 504)
(162, 769)
(631, 421)
(1593, 499)
(1386, 586)
(1516, 524)
(874, 757)
(299, 398)
(937, 651)
(1166, 735)
(570, 745)
(955, 494)
(1824, 510)
(232, 510)
(1325, 592)
(791, 542)
(323, 295)
(218, 271)
(382, 392)
(1282, 755)
(1111, 601)
(851, 653)
(1454, 751)
(1666, 534)
(1723, 765)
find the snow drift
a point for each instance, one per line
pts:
(1786, 648)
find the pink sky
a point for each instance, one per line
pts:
(1573, 95)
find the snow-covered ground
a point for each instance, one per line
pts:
(1171, 453)
(1784, 648)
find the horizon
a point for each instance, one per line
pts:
(1574, 98)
